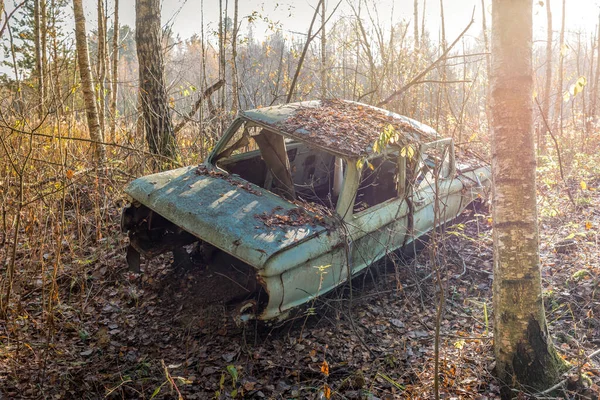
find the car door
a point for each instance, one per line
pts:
(379, 222)
(434, 193)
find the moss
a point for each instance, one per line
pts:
(536, 364)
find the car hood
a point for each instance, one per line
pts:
(238, 217)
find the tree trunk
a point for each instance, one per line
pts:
(488, 60)
(55, 73)
(115, 72)
(235, 101)
(423, 24)
(100, 66)
(222, 64)
(159, 131)
(44, 53)
(37, 40)
(595, 87)
(416, 23)
(548, 83)
(83, 59)
(561, 60)
(524, 352)
(19, 105)
(323, 53)
(444, 71)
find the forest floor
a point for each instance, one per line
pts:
(113, 334)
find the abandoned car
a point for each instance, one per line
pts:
(296, 199)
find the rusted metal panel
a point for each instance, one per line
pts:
(219, 212)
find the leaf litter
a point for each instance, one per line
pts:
(117, 331)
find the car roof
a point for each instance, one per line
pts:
(340, 126)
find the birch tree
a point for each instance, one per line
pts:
(83, 61)
(523, 349)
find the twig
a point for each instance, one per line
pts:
(561, 383)
(7, 17)
(76, 139)
(237, 283)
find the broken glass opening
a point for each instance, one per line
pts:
(434, 162)
(288, 168)
(378, 182)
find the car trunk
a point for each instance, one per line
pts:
(233, 215)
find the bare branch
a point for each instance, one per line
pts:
(418, 78)
(207, 93)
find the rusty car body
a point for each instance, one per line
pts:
(301, 197)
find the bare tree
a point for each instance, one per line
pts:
(323, 53)
(54, 75)
(416, 22)
(37, 39)
(596, 82)
(548, 82)
(85, 73)
(486, 44)
(423, 24)
(101, 63)
(115, 72)
(558, 113)
(6, 15)
(235, 101)
(159, 131)
(43, 32)
(521, 338)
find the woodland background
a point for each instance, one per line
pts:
(76, 324)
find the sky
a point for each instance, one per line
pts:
(295, 15)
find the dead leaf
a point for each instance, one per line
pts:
(327, 392)
(325, 368)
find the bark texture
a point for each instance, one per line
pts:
(523, 349)
(83, 61)
(159, 131)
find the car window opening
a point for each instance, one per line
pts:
(288, 168)
(378, 182)
(433, 163)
